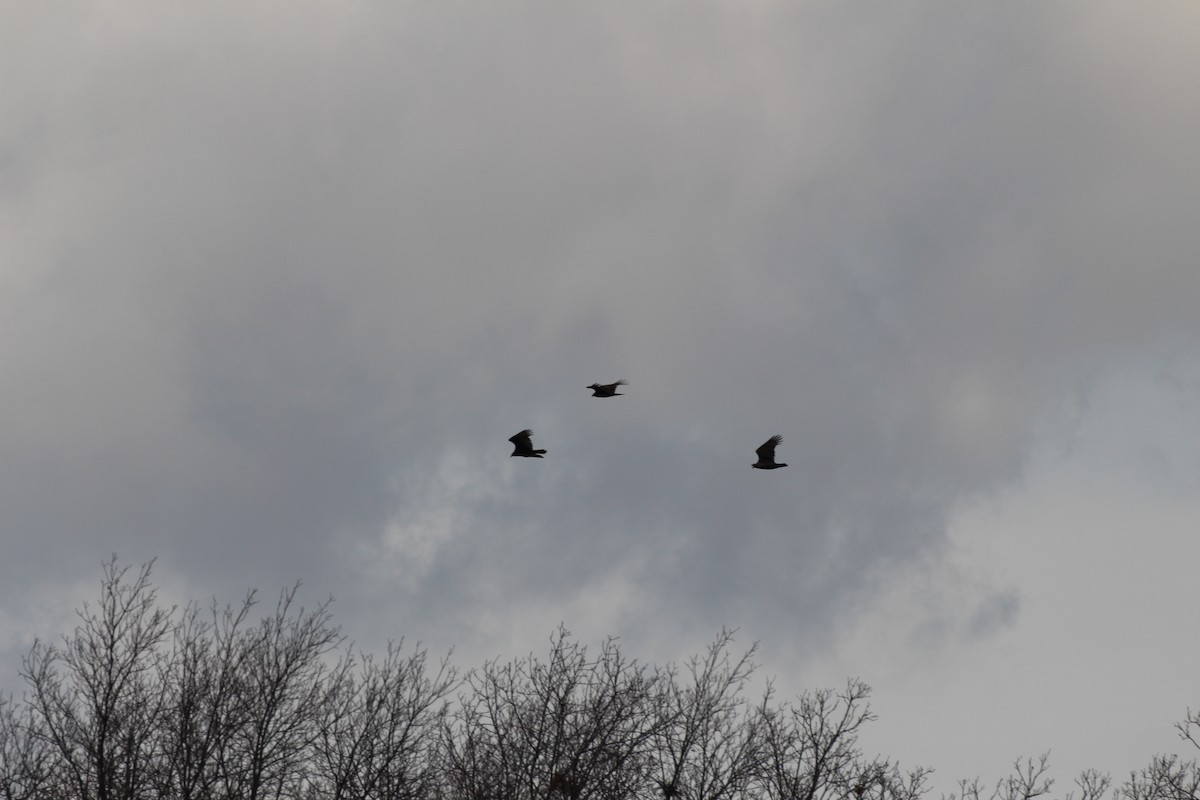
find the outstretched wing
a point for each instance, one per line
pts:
(621, 382)
(522, 439)
(766, 452)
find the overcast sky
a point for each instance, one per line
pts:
(279, 279)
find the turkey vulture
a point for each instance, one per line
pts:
(523, 445)
(766, 454)
(608, 389)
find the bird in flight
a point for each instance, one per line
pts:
(523, 445)
(608, 389)
(766, 454)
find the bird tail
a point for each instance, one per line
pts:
(539, 452)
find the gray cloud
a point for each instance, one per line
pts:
(280, 286)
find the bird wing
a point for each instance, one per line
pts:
(766, 452)
(522, 439)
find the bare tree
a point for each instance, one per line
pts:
(95, 695)
(1029, 779)
(1092, 784)
(571, 726)
(812, 753)
(26, 761)
(1169, 777)
(379, 731)
(210, 704)
(709, 743)
(280, 689)
(202, 706)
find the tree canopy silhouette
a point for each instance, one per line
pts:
(208, 702)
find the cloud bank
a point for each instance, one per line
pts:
(279, 283)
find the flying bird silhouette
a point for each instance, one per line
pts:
(608, 389)
(766, 454)
(523, 445)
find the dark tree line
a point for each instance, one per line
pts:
(208, 702)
